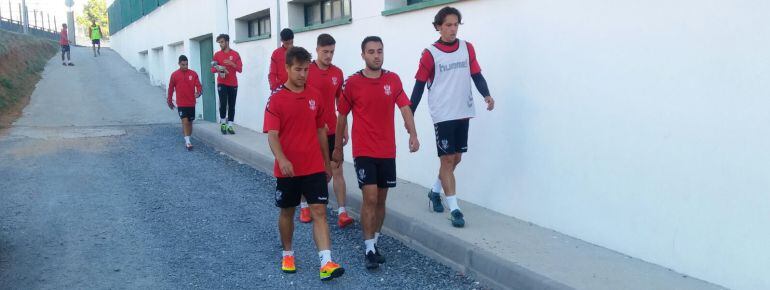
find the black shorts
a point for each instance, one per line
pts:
(65, 48)
(331, 144)
(379, 171)
(186, 112)
(452, 136)
(289, 190)
(96, 41)
(227, 91)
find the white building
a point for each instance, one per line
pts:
(639, 126)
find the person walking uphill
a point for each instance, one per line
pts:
(297, 136)
(227, 63)
(96, 39)
(278, 75)
(327, 78)
(448, 66)
(64, 42)
(187, 86)
(372, 95)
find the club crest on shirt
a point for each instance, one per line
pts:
(189, 77)
(387, 90)
(312, 104)
(231, 57)
(334, 81)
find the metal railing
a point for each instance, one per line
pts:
(40, 23)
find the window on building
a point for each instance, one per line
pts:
(400, 6)
(319, 12)
(254, 26)
(259, 26)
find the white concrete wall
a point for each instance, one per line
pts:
(167, 32)
(253, 88)
(641, 127)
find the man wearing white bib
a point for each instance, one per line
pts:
(448, 67)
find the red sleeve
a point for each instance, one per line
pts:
(401, 99)
(238, 62)
(171, 86)
(425, 70)
(346, 102)
(272, 77)
(272, 117)
(475, 67)
(215, 58)
(198, 86)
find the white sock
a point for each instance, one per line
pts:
(451, 201)
(376, 237)
(325, 256)
(369, 245)
(340, 210)
(303, 204)
(229, 124)
(287, 253)
(222, 121)
(437, 186)
(187, 139)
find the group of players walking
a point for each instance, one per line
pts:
(305, 120)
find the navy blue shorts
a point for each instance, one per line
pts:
(186, 112)
(378, 171)
(452, 136)
(313, 187)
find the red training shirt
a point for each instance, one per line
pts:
(329, 83)
(297, 118)
(278, 74)
(373, 103)
(185, 83)
(425, 71)
(230, 79)
(63, 39)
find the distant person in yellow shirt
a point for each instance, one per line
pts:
(96, 38)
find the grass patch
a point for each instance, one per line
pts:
(6, 83)
(22, 58)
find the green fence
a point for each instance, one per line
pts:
(124, 12)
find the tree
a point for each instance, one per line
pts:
(95, 11)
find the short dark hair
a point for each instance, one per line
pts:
(443, 13)
(297, 55)
(287, 34)
(223, 36)
(370, 39)
(326, 39)
(182, 58)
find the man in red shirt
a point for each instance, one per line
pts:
(372, 95)
(226, 64)
(187, 86)
(297, 136)
(65, 45)
(327, 78)
(277, 75)
(448, 66)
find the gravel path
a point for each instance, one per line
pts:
(136, 210)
